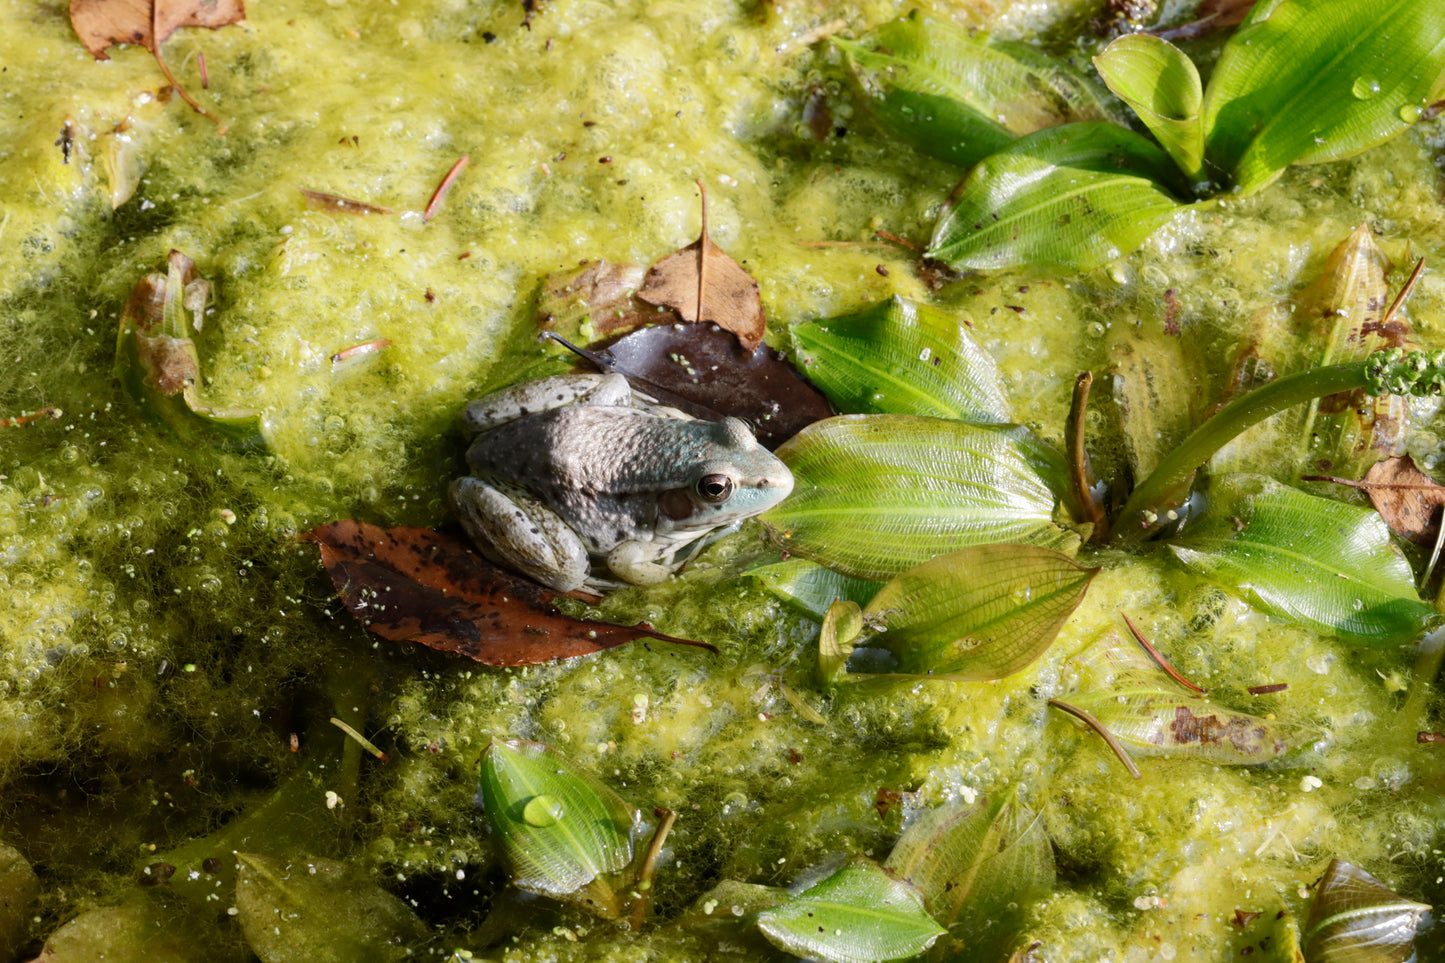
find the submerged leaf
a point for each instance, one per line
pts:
(1307, 81)
(959, 98)
(876, 495)
(860, 914)
(841, 626)
(1161, 83)
(972, 862)
(312, 910)
(417, 585)
(596, 300)
(980, 613)
(1073, 197)
(902, 358)
(1355, 918)
(1319, 561)
(139, 930)
(811, 588)
(158, 362)
(558, 827)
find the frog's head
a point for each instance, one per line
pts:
(737, 479)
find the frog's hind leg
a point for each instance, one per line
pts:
(521, 534)
(518, 401)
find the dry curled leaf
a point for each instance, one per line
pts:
(103, 23)
(702, 283)
(417, 585)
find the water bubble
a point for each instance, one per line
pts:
(542, 811)
(1365, 87)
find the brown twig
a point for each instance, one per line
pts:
(27, 418)
(643, 890)
(441, 192)
(1158, 657)
(1405, 290)
(170, 77)
(1105, 734)
(1079, 474)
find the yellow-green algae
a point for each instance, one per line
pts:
(161, 636)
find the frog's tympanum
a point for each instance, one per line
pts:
(578, 481)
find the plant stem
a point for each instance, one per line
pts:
(1171, 478)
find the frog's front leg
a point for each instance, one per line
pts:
(521, 533)
(518, 401)
(636, 562)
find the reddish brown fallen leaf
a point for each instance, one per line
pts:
(702, 283)
(702, 370)
(103, 23)
(417, 585)
(339, 204)
(1210, 16)
(1406, 498)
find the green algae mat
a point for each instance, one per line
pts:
(254, 263)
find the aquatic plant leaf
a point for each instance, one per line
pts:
(704, 366)
(1151, 715)
(841, 626)
(1343, 309)
(1161, 83)
(19, 886)
(980, 613)
(876, 495)
(139, 930)
(103, 23)
(958, 98)
(557, 826)
(860, 914)
(971, 861)
(1307, 81)
(1319, 561)
(1355, 918)
(1074, 197)
(903, 358)
(311, 910)
(809, 587)
(702, 283)
(158, 363)
(417, 585)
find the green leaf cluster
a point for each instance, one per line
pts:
(1300, 82)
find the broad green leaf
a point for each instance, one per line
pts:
(983, 612)
(1074, 197)
(860, 914)
(972, 861)
(902, 358)
(959, 98)
(875, 495)
(311, 910)
(1321, 562)
(1306, 81)
(1161, 83)
(557, 826)
(1355, 918)
(143, 929)
(809, 587)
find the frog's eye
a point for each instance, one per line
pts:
(716, 487)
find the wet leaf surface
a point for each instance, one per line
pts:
(702, 282)
(417, 585)
(705, 367)
(1407, 499)
(596, 300)
(1355, 918)
(313, 910)
(103, 23)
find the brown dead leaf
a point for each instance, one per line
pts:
(1406, 498)
(599, 293)
(103, 23)
(337, 204)
(702, 283)
(417, 585)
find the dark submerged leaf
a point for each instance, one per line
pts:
(417, 585)
(1355, 918)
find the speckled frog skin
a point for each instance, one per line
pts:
(580, 482)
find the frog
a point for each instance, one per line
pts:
(584, 483)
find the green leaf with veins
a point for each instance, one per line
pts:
(1161, 83)
(1307, 81)
(958, 98)
(1311, 559)
(1074, 197)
